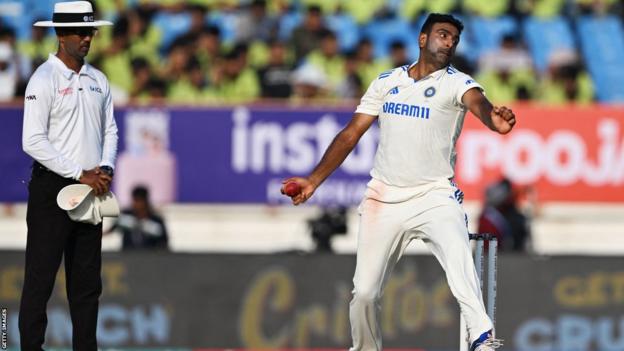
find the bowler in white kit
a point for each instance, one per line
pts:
(420, 109)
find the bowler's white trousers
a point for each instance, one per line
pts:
(390, 218)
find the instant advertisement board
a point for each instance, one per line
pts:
(241, 154)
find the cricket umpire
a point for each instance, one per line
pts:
(70, 132)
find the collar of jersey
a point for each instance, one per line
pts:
(436, 74)
(66, 71)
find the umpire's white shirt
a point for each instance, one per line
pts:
(68, 119)
(420, 122)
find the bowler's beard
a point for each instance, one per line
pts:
(437, 57)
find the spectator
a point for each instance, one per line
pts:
(309, 84)
(191, 87)
(368, 66)
(143, 38)
(8, 73)
(307, 37)
(500, 216)
(141, 73)
(328, 7)
(38, 47)
(598, 7)
(507, 73)
(278, 8)
(156, 90)
(142, 228)
(109, 8)
(503, 87)
(510, 56)
(208, 47)
(351, 85)
(233, 80)
(411, 10)
(275, 76)
(177, 60)
(542, 9)
(115, 59)
(398, 54)
(20, 62)
(566, 81)
(487, 8)
(463, 64)
(328, 59)
(198, 13)
(363, 14)
(256, 24)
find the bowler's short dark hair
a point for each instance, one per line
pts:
(440, 18)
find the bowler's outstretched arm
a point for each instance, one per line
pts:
(498, 118)
(336, 153)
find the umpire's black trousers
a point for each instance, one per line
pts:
(51, 234)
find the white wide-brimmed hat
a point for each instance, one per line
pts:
(309, 74)
(82, 205)
(72, 14)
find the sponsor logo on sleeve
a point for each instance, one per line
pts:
(31, 97)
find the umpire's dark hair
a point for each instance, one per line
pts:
(440, 18)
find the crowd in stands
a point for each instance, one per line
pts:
(237, 51)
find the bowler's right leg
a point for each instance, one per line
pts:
(380, 245)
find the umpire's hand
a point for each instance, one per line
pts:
(96, 179)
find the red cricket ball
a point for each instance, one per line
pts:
(292, 189)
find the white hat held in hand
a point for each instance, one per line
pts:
(82, 205)
(72, 14)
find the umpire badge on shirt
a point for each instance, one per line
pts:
(82, 205)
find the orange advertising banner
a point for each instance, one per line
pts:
(563, 154)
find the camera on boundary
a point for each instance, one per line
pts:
(332, 221)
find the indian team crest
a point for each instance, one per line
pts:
(429, 92)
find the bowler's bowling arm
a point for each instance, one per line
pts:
(344, 142)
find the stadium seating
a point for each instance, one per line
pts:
(545, 36)
(288, 22)
(171, 26)
(14, 14)
(599, 38)
(226, 24)
(346, 30)
(39, 7)
(602, 46)
(382, 32)
(491, 31)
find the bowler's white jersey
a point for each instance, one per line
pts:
(419, 121)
